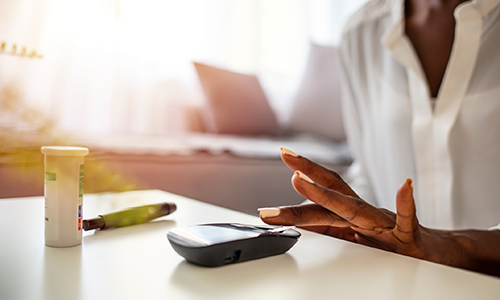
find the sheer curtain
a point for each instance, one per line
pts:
(122, 67)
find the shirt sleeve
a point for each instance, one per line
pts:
(495, 227)
(356, 176)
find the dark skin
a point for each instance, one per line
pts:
(339, 212)
(430, 26)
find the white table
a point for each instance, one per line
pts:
(137, 262)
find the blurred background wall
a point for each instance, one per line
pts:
(123, 67)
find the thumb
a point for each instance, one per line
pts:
(406, 219)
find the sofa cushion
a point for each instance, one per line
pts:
(236, 103)
(316, 107)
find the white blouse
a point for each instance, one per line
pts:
(451, 152)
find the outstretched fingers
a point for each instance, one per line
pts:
(405, 234)
(321, 175)
(311, 217)
(407, 227)
(301, 215)
(352, 209)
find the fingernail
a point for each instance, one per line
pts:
(304, 176)
(268, 212)
(288, 152)
(410, 182)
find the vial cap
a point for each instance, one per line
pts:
(65, 151)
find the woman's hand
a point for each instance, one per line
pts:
(337, 211)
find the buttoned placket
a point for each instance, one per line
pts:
(431, 129)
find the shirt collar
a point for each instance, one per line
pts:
(473, 10)
(396, 31)
(395, 36)
(467, 11)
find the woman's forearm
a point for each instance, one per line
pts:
(481, 250)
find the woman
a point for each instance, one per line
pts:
(421, 92)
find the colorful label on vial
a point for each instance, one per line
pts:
(79, 217)
(80, 200)
(63, 201)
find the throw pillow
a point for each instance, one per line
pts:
(236, 103)
(316, 107)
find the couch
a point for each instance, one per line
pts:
(228, 159)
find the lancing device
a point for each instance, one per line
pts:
(130, 216)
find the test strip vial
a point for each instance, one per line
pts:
(63, 190)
